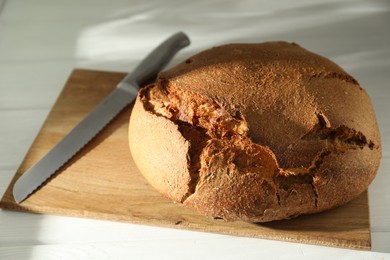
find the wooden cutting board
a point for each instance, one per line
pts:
(102, 182)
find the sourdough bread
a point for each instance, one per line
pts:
(256, 132)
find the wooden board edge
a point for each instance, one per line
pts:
(305, 239)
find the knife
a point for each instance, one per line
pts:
(124, 93)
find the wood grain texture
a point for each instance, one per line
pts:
(102, 182)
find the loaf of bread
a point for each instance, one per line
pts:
(256, 132)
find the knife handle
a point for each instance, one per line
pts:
(157, 59)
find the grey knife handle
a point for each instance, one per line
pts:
(157, 59)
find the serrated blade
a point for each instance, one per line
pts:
(125, 93)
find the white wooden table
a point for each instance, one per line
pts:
(41, 41)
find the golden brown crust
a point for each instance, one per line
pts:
(158, 147)
(256, 132)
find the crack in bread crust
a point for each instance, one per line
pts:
(195, 135)
(189, 108)
(199, 120)
(335, 75)
(341, 137)
(286, 177)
